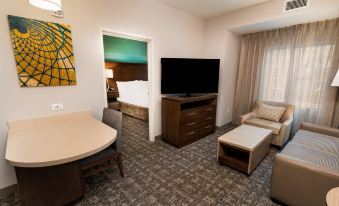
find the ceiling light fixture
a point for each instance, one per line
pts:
(52, 5)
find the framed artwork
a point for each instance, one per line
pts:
(43, 52)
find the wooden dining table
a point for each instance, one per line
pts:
(45, 153)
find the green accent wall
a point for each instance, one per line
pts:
(125, 50)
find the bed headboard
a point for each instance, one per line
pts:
(126, 72)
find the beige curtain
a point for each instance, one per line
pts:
(295, 65)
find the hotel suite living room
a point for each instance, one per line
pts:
(169, 102)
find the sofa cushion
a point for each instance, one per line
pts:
(274, 126)
(271, 113)
(311, 155)
(317, 141)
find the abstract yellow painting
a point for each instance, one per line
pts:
(43, 52)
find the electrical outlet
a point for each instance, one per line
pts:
(57, 107)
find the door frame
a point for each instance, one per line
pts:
(150, 72)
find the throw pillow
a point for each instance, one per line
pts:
(270, 112)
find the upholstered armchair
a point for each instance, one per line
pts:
(281, 130)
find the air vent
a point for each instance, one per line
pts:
(292, 5)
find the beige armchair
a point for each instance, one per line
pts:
(281, 130)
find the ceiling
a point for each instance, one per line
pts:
(210, 8)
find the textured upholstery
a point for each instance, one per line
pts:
(279, 138)
(268, 112)
(316, 141)
(274, 126)
(103, 158)
(113, 119)
(307, 168)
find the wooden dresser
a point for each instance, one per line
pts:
(187, 119)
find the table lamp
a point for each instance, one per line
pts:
(335, 82)
(109, 75)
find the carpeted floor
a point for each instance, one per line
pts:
(159, 174)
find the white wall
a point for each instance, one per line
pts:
(174, 34)
(222, 38)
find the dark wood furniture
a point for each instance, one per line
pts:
(112, 95)
(187, 119)
(104, 159)
(54, 185)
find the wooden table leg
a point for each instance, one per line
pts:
(54, 185)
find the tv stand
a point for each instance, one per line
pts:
(187, 119)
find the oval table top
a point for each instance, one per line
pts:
(56, 139)
(332, 197)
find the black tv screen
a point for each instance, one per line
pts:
(179, 75)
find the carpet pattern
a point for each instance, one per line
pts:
(159, 174)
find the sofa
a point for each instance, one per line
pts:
(281, 130)
(307, 168)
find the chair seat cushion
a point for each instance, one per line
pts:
(109, 151)
(274, 126)
(317, 141)
(311, 155)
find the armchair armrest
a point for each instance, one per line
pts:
(285, 130)
(320, 129)
(247, 116)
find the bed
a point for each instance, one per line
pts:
(133, 98)
(130, 89)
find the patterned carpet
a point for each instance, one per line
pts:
(159, 174)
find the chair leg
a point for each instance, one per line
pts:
(120, 165)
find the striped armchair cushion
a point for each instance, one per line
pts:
(271, 113)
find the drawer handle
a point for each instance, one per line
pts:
(209, 109)
(190, 124)
(190, 114)
(208, 127)
(190, 133)
(208, 118)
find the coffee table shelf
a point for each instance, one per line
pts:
(244, 147)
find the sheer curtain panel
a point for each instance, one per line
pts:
(296, 65)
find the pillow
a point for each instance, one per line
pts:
(271, 113)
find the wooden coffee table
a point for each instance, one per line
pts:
(244, 147)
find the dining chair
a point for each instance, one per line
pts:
(103, 160)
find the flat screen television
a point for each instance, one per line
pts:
(179, 75)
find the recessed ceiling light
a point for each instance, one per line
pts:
(52, 5)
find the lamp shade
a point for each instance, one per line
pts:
(335, 82)
(52, 5)
(109, 73)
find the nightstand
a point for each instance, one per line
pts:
(112, 95)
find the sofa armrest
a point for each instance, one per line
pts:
(247, 116)
(296, 182)
(320, 129)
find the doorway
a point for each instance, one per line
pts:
(128, 76)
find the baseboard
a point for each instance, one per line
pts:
(4, 192)
(158, 137)
(224, 125)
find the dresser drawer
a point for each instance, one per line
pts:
(207, 129)
(208, 118)
(190, 115)
(189, 126)
(190, 135)
(208, 111)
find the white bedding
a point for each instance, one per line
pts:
(133, 92)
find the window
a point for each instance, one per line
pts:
(296, 75)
